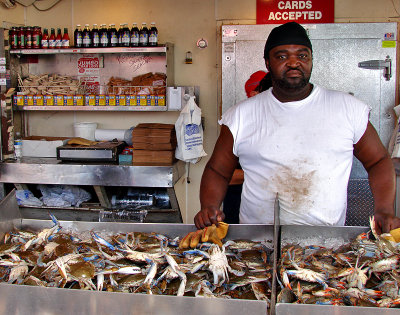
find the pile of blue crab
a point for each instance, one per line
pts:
(364, 272)
(135, 262)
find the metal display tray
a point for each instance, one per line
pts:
(21, 299)
(327, 237)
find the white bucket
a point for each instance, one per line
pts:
(85, 130)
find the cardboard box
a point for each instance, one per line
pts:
(37, 146)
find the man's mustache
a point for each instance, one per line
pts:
(295, 68)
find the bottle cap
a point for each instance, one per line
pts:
(153, 22)
(78, 25)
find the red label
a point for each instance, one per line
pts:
(304, 11)
(88, 63)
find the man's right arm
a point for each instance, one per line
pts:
(215, 180)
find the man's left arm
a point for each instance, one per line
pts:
(382, 179)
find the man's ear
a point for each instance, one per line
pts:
(267, 63)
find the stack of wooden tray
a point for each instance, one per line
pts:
(153, 144)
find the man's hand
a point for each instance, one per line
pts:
(385, 222)
(207, 217)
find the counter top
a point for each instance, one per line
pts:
(53, 171)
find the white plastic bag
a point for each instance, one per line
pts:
(26, 198)
(63, 195)
(189, 133)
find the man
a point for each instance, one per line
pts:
(296, 141)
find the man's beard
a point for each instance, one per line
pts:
(284, 83)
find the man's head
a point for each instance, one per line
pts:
(253, 82)
(288, 56)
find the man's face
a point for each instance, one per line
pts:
(290, 66)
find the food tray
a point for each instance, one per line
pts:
(21, 299)
(327, 237)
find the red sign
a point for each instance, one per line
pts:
(88, 63)
(303, 11)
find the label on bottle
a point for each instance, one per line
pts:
(79, 40)
(104, 39)
(86, 40)
(45, 43)
(58, 43)
(125, 38)
(96, 39)
(18, 148)
(143, 38)
(65, 43)
(36, 41)
(52, 43)
(153, 38)
(135, 38)
(114, 39)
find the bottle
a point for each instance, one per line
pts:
(126, 36)
(58, 39)
(13, 37)
(144, 35)
(134, 35)
(86, 37)
(21, 38)
(78, 36)
(65, 39)
(95, 36)
(113, 34)
(153, 35)
(120, 31)
(36, 37)
(104, 39)
(17, 146)
(45, 39)
(52, 39)
(28, 37)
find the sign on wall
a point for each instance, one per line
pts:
(302, 11)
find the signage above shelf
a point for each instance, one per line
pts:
(108, 50)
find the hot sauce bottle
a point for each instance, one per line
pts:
(52, 39)
(58, 39)
(45, 39)
(65, 39)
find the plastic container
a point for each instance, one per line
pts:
(85, 130)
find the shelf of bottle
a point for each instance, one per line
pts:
(108, 50)
(94, 108)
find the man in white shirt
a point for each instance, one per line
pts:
(296, 140)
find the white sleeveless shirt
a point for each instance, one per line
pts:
(301, 150)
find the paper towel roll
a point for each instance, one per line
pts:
(110, 134)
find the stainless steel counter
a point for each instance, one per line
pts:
(52, 171)
(20, 299)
